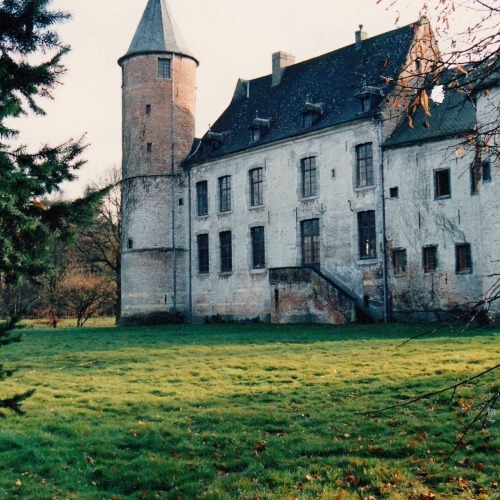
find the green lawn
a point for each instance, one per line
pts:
(246, 412)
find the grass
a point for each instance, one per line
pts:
(245, 412)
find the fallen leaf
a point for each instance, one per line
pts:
(175, 454)
(90, 460)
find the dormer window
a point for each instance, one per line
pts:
(212, 141)
(311, 113)
(254, 134)
(259, 128)
(368, 98)
(365, 104)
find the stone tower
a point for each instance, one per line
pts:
(159, 85)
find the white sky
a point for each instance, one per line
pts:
(230, 38)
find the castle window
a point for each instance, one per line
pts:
(307, 120)
(226, 257)
(399, 259)
(310, 242)
(442, 183)
(259, 127)
(394, 192)
(311, 113)
(149, 147)
(364, 165)
(148, 109)
(309, 176)
(203, 254)
(365, 103)
(225, 193)
(486, 171)
(130, 244)
(464, 260)
(202, 198)
(367, 235)
(163, 68)
(254, 134)
(258, 247)
(256, 186)
(430, 259)
(475, 177)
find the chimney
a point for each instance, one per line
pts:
(280, 61)
(360, 36)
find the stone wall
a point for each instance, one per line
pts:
(417, 218)
(245, 292)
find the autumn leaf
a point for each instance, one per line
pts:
(90, 460)
(410, 122)
(424, 101)
(479, 466)
(39, 204)
(175, 454)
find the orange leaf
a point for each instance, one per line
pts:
(90, 460)
(175, 454)
(424, 100)
(410, 122)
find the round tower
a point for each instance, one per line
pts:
(158, 89)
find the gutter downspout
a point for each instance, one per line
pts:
(384, 238)
(172, 139)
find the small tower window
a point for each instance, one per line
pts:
(149, 147)
(148, 109)
(394, 192)
(163, 68)
(130, 243)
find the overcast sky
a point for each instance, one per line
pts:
(230, 38)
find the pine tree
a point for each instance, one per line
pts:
(27, 178)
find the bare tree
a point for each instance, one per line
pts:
(100, 243)
(86, 294)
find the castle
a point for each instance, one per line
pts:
(315, 197)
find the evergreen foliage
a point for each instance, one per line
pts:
(27, 178)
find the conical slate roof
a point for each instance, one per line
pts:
(157, 32)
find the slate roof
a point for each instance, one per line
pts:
(454, 116)
(157, 33)
(333, 79)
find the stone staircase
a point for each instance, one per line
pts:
(305, 295)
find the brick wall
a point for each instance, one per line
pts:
(302, 295)
(155, 258)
